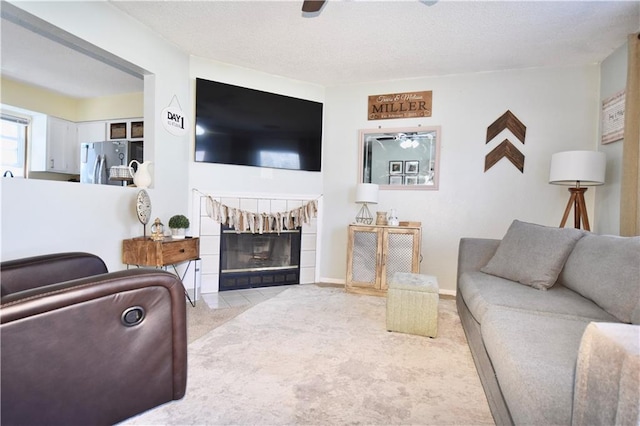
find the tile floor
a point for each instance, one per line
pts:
(251, 296)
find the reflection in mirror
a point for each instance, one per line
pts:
(406, 158)
(59, 91)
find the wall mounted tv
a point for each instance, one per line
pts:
(236, 125)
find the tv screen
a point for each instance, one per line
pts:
(236, 125)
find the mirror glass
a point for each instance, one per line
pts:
(406, 158)
(58, 91)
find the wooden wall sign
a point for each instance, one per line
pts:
(506, 149)
(613, 118)
(400, 105)
(507, 121)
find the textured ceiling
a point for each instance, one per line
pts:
(355, 41)
(349, 41)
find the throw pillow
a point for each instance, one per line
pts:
(532, 254)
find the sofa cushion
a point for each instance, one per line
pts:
(481, 291)
(534, 357)
(606, 269)
(532, 254)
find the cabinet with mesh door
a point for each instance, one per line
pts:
(375, 253)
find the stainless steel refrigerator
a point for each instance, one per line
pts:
(97, 157)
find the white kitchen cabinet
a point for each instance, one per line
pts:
(375, 253)
(63, 154)
(131, 129)
(91, 131)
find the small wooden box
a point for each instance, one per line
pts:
(146, 252)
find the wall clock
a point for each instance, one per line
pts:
(143, 209)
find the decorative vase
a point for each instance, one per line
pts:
(393, 218)
(381, 218)
(177, 233)
(142, 176)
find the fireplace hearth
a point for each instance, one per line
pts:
(249, 260)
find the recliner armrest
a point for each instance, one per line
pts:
(38, 271)
(68, 357)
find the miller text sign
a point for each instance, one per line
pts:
(400, 105)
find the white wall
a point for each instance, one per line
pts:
(41, 216)
(613, 78)
(559, 107)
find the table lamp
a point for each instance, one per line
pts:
(366, 193)
(577, 169)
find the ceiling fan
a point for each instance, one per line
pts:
(311, 6)
(314, 6)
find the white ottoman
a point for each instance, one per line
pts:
(412, 304)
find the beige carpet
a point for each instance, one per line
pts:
(320, 356)
(201, 319)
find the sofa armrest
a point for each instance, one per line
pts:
(474, 253)
(39, 271)
(69, 357)
(607, 382)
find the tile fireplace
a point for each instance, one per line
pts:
(210, 232)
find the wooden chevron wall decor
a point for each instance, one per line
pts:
(510, 122)
(508, 150)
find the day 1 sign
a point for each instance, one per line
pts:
(174, 121)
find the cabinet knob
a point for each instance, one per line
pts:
(181, 250)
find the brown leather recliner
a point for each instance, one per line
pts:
(83, 346)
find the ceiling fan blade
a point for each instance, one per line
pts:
(311, 6)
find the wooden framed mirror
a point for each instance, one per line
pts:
(402, 158)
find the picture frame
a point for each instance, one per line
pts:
(396, 167)
(613, 118)
(395, 180)
(118, 131)
(137, 129)
(411, 180)
(411, 167)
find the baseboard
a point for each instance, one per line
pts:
(332, 281)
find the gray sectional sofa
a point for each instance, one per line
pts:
(551, 316)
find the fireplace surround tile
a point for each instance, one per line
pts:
(209, 232)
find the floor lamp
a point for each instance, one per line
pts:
(577, 169)
(366, 193)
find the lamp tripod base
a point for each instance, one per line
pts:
(576, 200)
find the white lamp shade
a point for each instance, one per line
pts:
(571, 167)
(367, 193)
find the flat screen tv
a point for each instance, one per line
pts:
(236, 125)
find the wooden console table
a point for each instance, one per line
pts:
(142, 251)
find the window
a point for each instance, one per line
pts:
(13, 134)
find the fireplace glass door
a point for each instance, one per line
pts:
(250, 260)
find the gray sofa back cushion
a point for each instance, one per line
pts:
(606, 270)
(532, 254)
